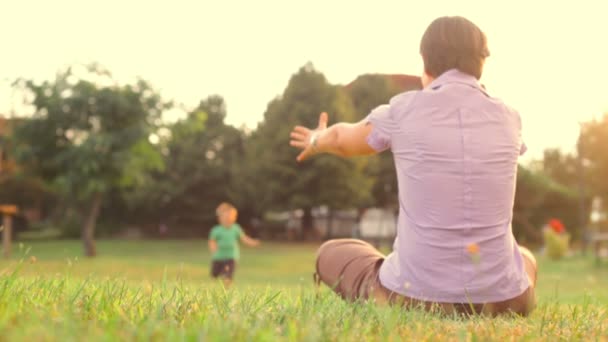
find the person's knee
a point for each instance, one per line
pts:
(328, 264)
(323, 250)
(331, 247)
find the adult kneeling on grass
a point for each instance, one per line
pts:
(456, 149)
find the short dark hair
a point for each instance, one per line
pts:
(453, 43)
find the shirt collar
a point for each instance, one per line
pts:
(456, 76)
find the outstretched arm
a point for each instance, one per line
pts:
(342, 139)
(249, 241)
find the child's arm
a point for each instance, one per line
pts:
(213, 241)
(251, 242)
(212, 246)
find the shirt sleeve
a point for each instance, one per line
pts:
(523, 149)
(213, 234)
(380, 137)
(239, 230)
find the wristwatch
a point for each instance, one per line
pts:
(313, 141)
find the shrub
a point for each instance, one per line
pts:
(556, 244)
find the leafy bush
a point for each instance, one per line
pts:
(556, 244)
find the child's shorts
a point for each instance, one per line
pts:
(223, 268)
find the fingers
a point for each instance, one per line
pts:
(323, 118)
(300, 135)
(298, 139)
(297, 136)
(298, 144)
(301, 130)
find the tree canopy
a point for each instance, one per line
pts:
(88, 135)
(93, 145)
(325, 180)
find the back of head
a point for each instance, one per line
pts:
(453, 43)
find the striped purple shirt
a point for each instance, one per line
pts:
(456, 151)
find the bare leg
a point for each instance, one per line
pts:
(530, 264)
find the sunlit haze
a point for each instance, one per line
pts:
(548, 58)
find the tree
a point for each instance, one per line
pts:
(88, 135)
(561, 167)
(202, 157)
(566, 170)
(367, 92)
(324, 180)
(29, 194)
(371, 90)
(592, 149)
(539, 198)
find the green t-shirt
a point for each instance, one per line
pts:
(227, 240)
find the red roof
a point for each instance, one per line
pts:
(403, 82)
(406, 82)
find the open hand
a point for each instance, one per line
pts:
(301, 137)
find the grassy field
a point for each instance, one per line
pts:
(160, 290)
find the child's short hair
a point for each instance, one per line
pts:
(224, 206)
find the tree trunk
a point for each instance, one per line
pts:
(88, 230)
(330, 224)
(307, 224)
(582, 210)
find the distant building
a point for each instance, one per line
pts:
(378, 223)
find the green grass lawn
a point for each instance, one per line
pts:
(159, 290)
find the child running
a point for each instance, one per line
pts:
(224, 243)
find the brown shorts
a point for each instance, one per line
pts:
(351, 267)
(223, 268)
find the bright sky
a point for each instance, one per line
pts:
(549, 58)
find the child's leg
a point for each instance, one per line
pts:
(228, 272)
(216, 268)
